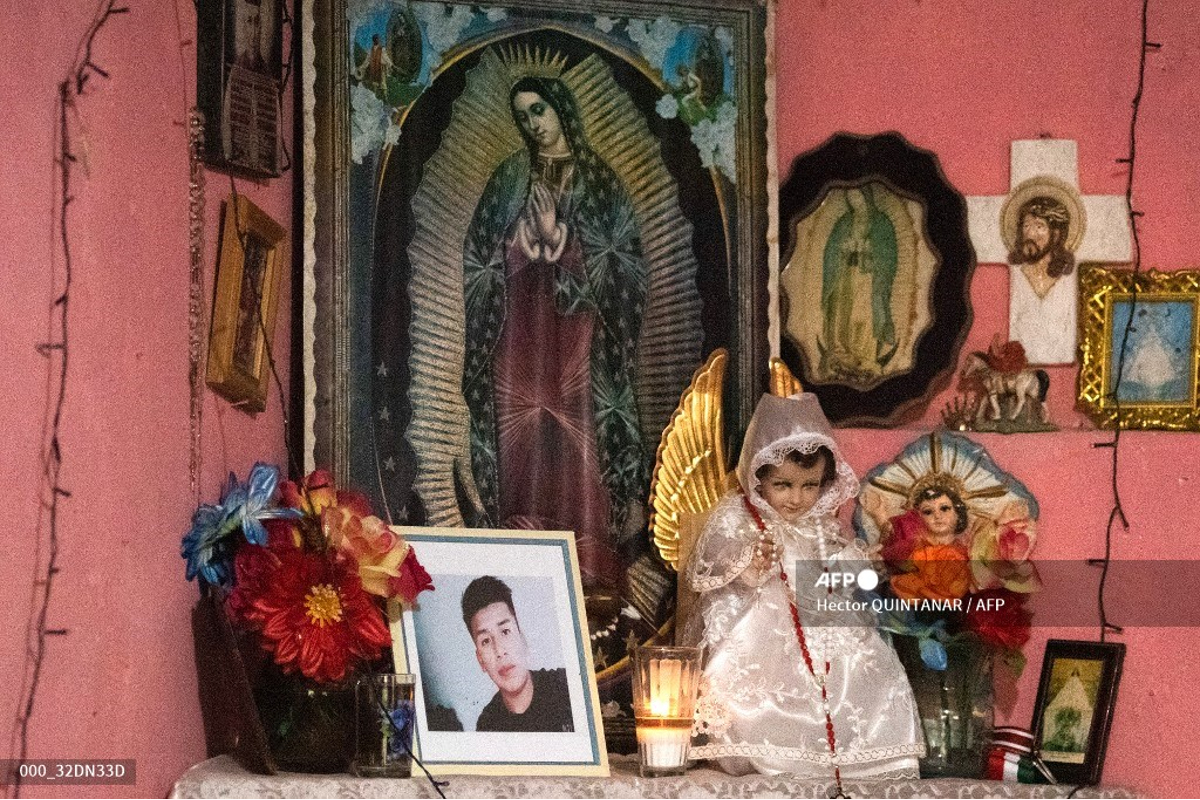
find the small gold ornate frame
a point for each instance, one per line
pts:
(1160, 371)
(253, 257)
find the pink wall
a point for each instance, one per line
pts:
(122, 684)
(963, 80)
(959, 79)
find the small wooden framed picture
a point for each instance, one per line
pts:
(505, 681)
(1074, 708)
(239, 72)
(1157, 361)
(253, 255)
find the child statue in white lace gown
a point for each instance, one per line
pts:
(795, 680)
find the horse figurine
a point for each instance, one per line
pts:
(1026, 387)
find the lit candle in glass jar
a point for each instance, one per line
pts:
(665, 682)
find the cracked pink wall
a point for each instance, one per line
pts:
(122, 684)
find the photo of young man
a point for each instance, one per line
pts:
(525, 700)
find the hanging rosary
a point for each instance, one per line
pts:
(822, 679)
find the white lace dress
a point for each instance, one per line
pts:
(760, 708)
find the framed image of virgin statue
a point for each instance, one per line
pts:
(875, 267)
(528, 224)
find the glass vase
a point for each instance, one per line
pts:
(386, 717)
(955, 706)
(309, 726)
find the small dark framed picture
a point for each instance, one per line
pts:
(253, 257)
(239, 72)
(1074, 709)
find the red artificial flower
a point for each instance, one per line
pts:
(318, 491)
(906, 531)
(254, 567)
(1000, 618)
(312, 611)
(412, 581)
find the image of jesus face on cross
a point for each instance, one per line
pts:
(1041, 243)
(1044, 229)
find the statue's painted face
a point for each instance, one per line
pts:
(1035, 237)
(540, 122)
(939, 515)
(791, 489)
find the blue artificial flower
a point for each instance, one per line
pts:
(931, 637)
(933, 653)
(255, 507)
(399, 725)
(209, 546)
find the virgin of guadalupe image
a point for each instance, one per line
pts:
(1156, 371)
(1068, 719)
(555, 287)
(859, 269)
(579, 321)
(858, 285)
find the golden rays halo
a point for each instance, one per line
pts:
(522, 61)
(480, 135)
(945, 460)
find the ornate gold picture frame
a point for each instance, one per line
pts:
(1159, 384)
(253, 252)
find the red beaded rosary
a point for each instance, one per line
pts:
(820, 679)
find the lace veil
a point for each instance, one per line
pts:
(781, 425)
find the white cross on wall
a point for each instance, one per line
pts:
(1106, 238)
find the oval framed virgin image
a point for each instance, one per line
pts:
(875, 269)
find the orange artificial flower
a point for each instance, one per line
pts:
(941, 573)
(376, 547)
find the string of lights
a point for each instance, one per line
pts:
(57, 352)
(289, 40)
(193, 122)
(1117, 514)
(196, 309)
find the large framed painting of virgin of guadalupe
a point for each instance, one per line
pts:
(527, 224)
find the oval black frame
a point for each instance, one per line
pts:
(846, 160)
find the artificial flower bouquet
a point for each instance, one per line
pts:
(974, 590)
(307, 567)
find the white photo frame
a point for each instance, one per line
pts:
(432, 641)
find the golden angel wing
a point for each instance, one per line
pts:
(783, 382)
(690, 470)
